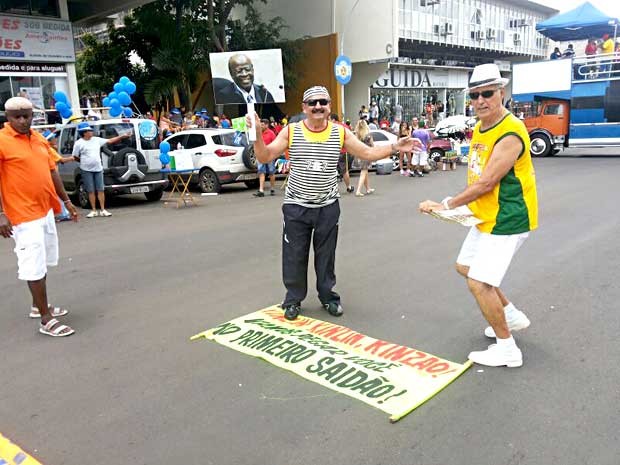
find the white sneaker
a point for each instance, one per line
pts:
(496, 357)
(92, 214)
(402, 172)
(516, 322)
(105, 213)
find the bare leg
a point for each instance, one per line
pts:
(261, 182)
(360, 182)
(491, 306)
(38, 289)
(93, 202)
(346, 177)
(401, 155)
(272, 181)
(101, 197)
(366, 177)
(502, 297)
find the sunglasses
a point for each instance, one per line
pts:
(313, 102)
(484, 93)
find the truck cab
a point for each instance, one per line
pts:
(546, 122)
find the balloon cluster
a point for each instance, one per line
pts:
(119, 100)
(62, 104)
(164, 157)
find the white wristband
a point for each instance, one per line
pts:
(445, 201)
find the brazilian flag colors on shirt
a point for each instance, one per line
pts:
(512, 206)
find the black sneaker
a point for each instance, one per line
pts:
(291, 312)
(350, 189)
(272, 192)
(334, 308)
(419, 174)
(259, 194)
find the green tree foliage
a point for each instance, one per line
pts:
(173, 38)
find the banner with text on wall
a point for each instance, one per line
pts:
(388, 376)
(11, 454)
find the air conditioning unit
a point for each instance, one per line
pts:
(516, 38)
(522, 23)
(429, 2)
(491, 34)
(437, 29)
(480, 35)
(449, 28)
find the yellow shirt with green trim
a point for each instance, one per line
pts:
(512, 206)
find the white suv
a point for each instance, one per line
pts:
(222, 156)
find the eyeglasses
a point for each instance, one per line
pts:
(313, 102)
(484, 93)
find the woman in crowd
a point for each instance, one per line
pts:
(362, 131)
(404, 131)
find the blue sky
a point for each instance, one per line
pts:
(611, 7)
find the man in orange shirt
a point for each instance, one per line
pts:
(29, 191)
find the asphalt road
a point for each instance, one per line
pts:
(130, 387)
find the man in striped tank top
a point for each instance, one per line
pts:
(501, 191)
(311, 210)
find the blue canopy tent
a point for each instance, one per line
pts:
(584, 22)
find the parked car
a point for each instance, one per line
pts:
(380, 137)
(222, 156)
(438, 147)
(131, 166)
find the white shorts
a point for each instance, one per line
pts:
(419, 158)
(489, 255)
(36, 247)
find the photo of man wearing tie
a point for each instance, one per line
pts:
(242, 88)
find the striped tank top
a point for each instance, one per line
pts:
(313, 179)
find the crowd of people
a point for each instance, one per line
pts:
(602, 57)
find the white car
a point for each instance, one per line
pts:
(380, 137)
(221, 156)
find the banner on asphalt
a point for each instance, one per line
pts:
(388, 376)
(12, 454)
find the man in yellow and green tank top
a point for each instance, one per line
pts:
(501, 192)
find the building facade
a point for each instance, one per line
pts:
(418, 54)
(37, 54)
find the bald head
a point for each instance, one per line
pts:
(241, 70)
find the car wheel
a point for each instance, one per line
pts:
(82, 195)
(249, 158)
(252, 183)
(154, 196)
(208, 182)
(540, 145)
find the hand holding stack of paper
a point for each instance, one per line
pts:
(461, 215)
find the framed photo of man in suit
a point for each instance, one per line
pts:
(253, 76)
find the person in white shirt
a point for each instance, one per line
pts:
(87, 151)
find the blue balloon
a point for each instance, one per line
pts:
(106, 101)
(124, 80)
(127, 112)
(67, 113)
(114, 103)
(124, 98)
(130, 88)
(112, 95)
(164, 158)
(115, 112)
(164, 147)
(61, 107)
(118, 87)
(60, 96)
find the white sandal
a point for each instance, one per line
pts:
(54, 311)
(55, 329)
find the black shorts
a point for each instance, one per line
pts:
(344, 158)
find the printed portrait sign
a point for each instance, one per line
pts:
(253, 76)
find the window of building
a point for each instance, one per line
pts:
(30, 7)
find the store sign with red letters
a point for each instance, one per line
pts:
(36, 39)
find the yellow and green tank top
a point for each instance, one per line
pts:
(512, 206)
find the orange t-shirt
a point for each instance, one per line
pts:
(26, 184)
